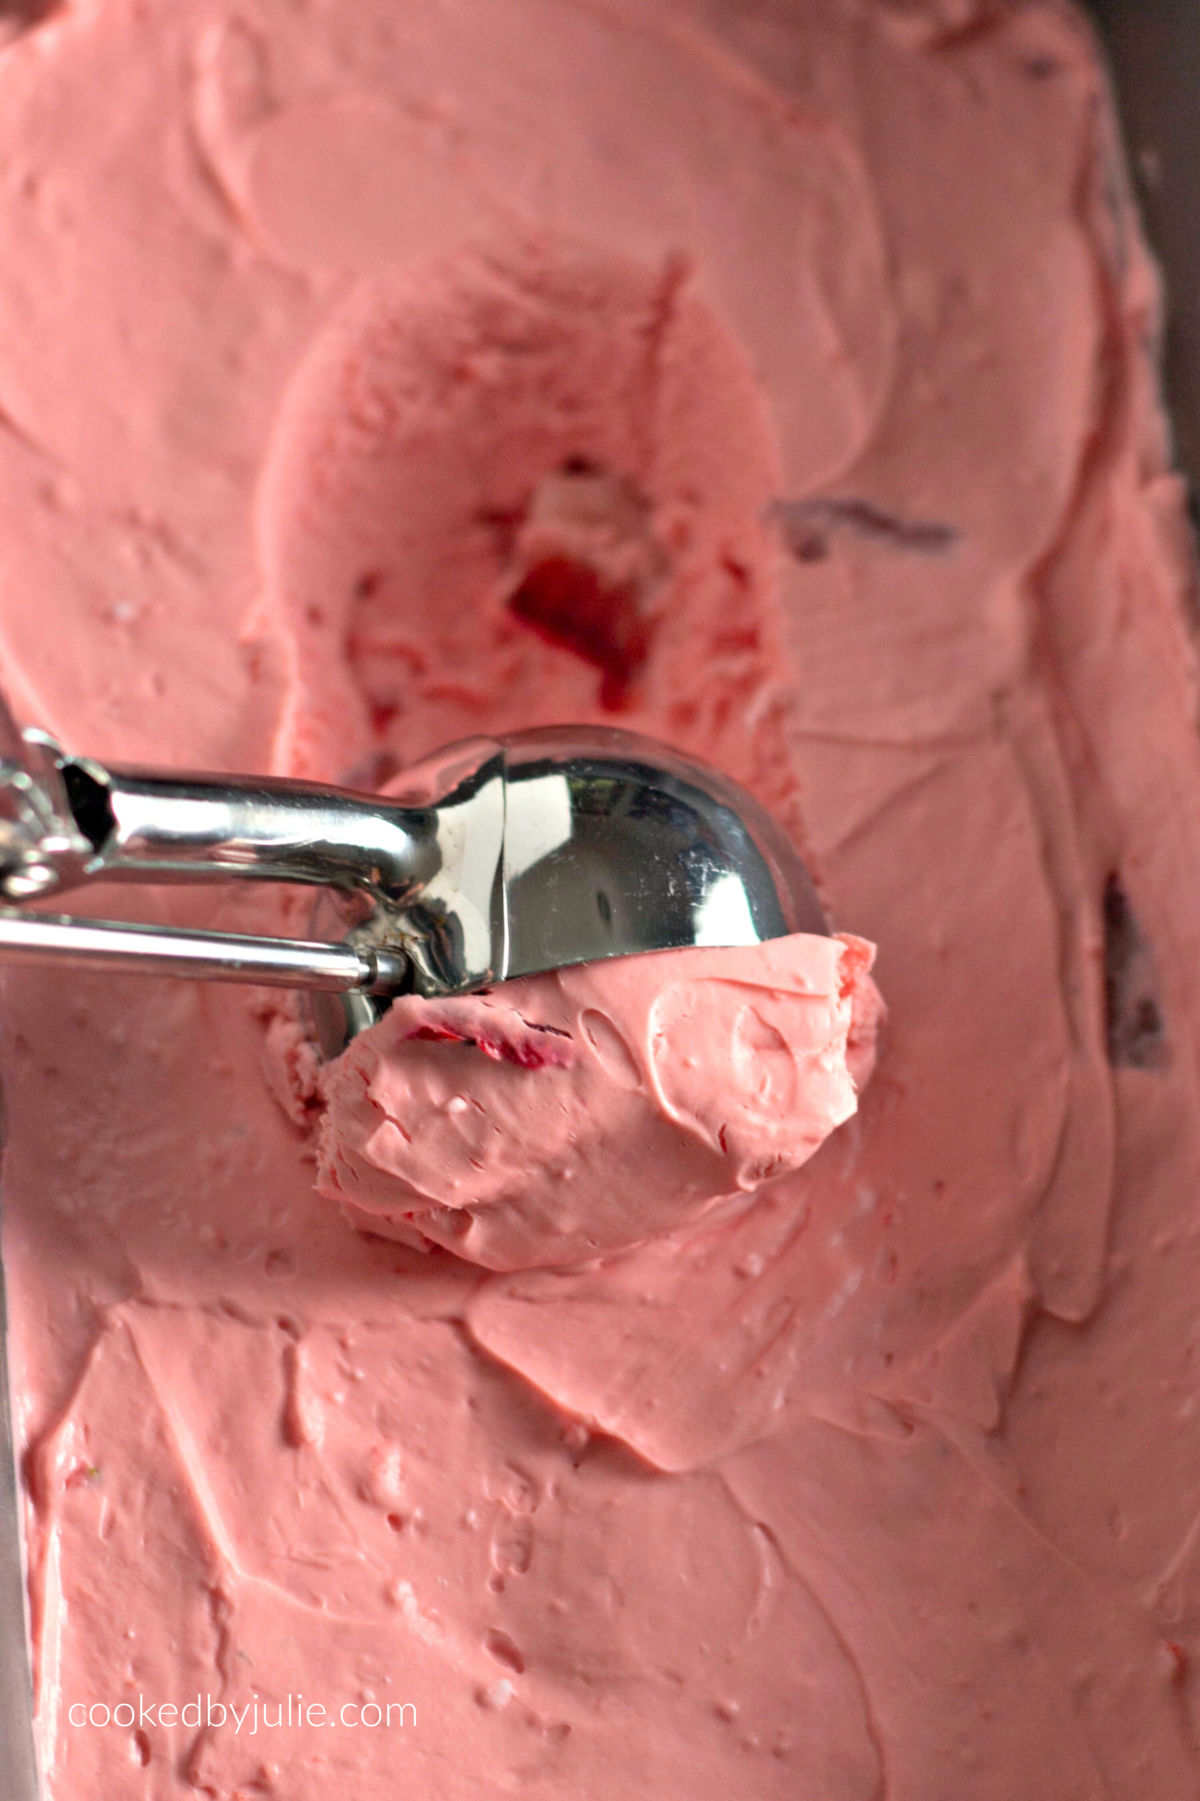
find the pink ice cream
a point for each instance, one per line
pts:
(776, 379)
(578, 1113)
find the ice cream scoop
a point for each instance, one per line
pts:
(492, 859)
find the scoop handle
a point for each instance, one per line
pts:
(152, 826)
(52, 938)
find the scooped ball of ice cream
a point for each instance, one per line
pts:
(574, 1114)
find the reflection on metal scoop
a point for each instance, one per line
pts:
(495, 858)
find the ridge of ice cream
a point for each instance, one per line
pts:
(774, 377)
(584, 1111)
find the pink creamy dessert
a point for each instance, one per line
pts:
(776, 377)
(583, 1112)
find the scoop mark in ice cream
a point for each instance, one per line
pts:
(503, 474)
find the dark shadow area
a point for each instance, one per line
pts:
(1154, 50)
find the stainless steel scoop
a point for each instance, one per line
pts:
(495, 858)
